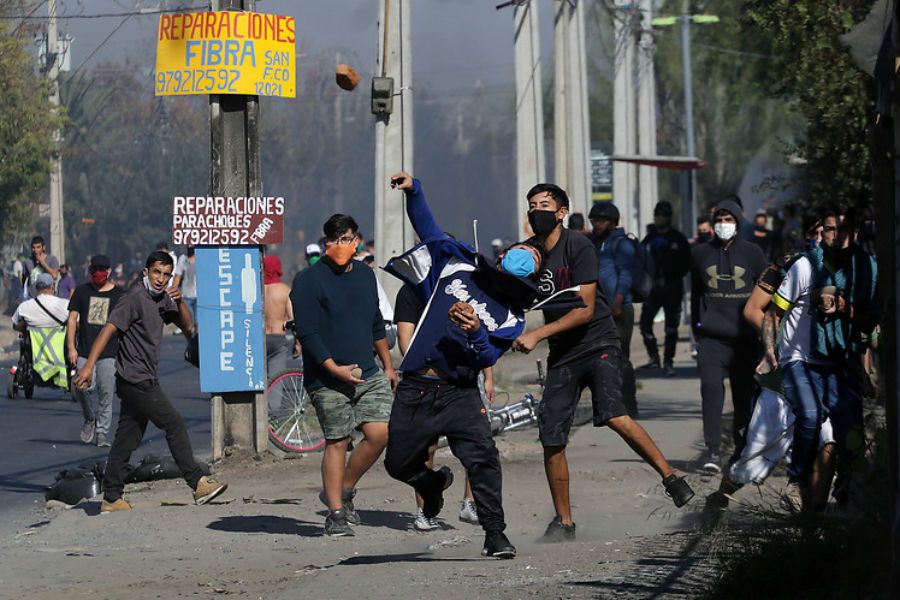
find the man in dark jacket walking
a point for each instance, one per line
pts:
(723, 273)
(671, 256)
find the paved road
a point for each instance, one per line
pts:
(40, 436)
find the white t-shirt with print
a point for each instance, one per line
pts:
(35, 316)
(795, 292)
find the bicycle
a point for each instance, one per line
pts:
(293, 425)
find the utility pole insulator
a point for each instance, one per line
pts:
(382, 95)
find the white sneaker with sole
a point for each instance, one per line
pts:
(467, 512)
(423, 523)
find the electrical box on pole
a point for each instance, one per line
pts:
(382, 95)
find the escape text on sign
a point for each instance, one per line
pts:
(241, 221)
(226, 52)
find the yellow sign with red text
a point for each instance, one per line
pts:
(226, 52)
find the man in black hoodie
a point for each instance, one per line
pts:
(723, 273)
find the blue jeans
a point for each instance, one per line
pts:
(815, 392)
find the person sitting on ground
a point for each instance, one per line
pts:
(45, 315)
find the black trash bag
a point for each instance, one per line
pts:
(192, 351)
(154, 468)
(74, 485)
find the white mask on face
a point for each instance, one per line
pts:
(725, 231)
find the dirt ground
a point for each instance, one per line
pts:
(263, 539)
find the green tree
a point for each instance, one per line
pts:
(814, 72)
(26, 125)
(735, 119)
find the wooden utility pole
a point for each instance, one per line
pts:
(393, 136)
(240, 418)
(54, 59)
(530, 168)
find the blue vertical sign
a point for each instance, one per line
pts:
(230, 320)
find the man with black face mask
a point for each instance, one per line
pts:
(584, 352)
(671, 257)
(723, 274)
(89, 310)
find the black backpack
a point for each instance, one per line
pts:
(644, 269)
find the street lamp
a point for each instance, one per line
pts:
(686, 20)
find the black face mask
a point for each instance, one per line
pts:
(542, 222)
(703, 237)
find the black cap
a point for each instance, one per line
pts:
(100, 261)
(663, 207)
(604, 210)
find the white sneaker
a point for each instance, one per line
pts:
(423, 523)
(712, 464)
(467, 512)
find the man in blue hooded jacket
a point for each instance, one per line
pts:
(473, 313)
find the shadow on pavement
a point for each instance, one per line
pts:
(383, 559)
(267, 524)
(401, 521)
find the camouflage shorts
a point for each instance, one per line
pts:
(345, 408)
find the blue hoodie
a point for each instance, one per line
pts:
(442, 271)
(616, 257)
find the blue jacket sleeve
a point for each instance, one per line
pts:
(307, 313)
(420, 214)
(624, 259)
(480, 351)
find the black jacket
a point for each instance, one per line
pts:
(671, 254)
(721, 282)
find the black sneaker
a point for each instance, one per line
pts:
(712, 462)
(336, 524)
(678, 490)
(669, 370)
(347, 497)
(433, 501)
(651, 365)
(557, 532)
(496, 544)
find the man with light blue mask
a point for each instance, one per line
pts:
(473, 313)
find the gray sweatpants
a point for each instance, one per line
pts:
(104, 387)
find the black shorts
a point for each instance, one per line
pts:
(601, 373)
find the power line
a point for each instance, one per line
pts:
(33, 17)
(95, 50)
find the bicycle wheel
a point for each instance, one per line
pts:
(293, 424)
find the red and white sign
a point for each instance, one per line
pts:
(220, 220)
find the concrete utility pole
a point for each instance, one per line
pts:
(530, 168)
(393, 136)
(625, 119)
(571, 130)
(648, 190)
(688, 103)
(240, 418)
(54, 58)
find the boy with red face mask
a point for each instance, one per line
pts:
(89, 308)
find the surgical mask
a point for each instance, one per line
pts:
(542, 222)
(99, 278)
(313, 260)
(703, 237)
(153, 293)
(725, 231)
(518, 262)
(812, 243)
(341, 253)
